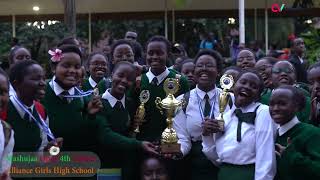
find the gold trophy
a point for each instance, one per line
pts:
(226, 83)
(140, 113)
(169, 106)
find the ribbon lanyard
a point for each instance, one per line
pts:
(80, 92)
(201, 110)
(42, 125)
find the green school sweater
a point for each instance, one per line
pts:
(303, 116)
(26, 133)
(155, 124)
(119, 120)
(301, 159)
(103, 85)
(86, 85)
(68, 120)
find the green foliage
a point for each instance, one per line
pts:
(5, 39)
(312, 42)
(39, 40)
(117, 29)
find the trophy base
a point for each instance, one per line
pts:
(170, 148)
(221, 125)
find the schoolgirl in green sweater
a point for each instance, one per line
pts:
(118, 111)
(98, 68)
(297, 143)
(66, 105)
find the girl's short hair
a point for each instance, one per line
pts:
(298, 96)
(255, 72)
(19, 70)
(120, 42)
(121, 63)
(247, 49)
(185, 61)
(160, 39)
(68, 48)
(270, 60)
(313, 66)
(215, 54)
(13, 51)
(93, 54)
(68, 41)
(289, 63)
(235, 68)
(150, 156)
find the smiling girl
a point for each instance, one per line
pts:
(158, 50)
(297, 143)
(283, 73)
(66, 105)
(117, 112)
(29, 124)
(202, 108)
(98, 68)
(246, 148)
(246, 59)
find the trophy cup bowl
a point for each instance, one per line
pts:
(169, 106)
(226, 83)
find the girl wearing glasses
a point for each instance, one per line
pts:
(283, 73)
(98, 68)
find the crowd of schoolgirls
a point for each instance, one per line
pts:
(271, 128)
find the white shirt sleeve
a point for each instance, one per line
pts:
(209, 148)
(7, 154)
(265, 164)
(180, 126)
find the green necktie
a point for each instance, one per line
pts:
(207, 106)
(244, 117)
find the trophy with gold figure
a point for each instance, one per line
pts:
(226, 83)
(169, 106)
(140, 113)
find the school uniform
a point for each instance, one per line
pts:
(29, 137)
(301, 158)
(155, 122)
(303, 115)
(68, 118)
(188, 125)
(104, 84)
(118, 115)
(246, 148)
(90, 84)
(265, 96)
(6, 145)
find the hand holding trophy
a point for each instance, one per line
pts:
(95, 104)
(226, 83)
(169, 106)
